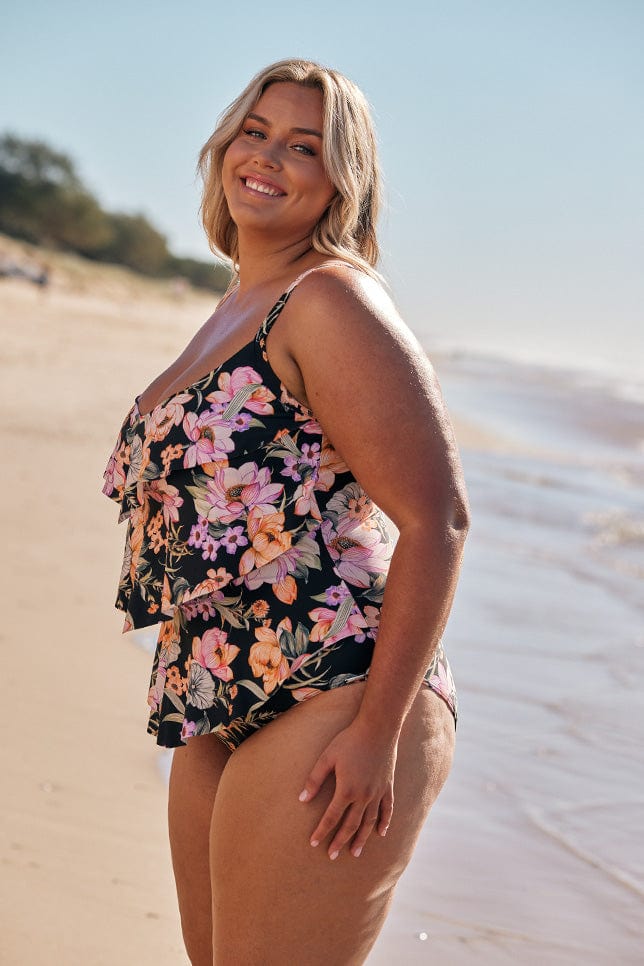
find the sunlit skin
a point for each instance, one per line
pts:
(275, 148)
(341, 348)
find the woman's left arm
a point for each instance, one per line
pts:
(377, 398)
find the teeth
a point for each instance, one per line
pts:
(256, 186)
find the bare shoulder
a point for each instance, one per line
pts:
(375, 393)
(339, 302)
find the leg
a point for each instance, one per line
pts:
(195, 774)
(276, 899)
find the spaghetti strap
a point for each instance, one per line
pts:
(276, 310)
(308, 271)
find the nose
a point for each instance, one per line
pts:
(267, 156)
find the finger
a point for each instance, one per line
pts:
(315, 778)
(348, 829)
(330, 819)
(386, 811)
(367, 826)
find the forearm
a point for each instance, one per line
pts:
(418, 597)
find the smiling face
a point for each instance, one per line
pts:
(273, 175)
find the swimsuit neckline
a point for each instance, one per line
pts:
(208, 375)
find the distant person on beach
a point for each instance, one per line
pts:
(299, 671)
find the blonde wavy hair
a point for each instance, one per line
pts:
(349, 152)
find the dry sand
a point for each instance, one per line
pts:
(86, 867)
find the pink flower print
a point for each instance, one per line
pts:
(240, 422)
(213, 652)
(233, 492)
(231, 382)
(305, 501)
(311, 454)
(160, 421)
(324, 618)
(198, 532)
(291, 468)
(233, 538)
(114, 476)
(372, 615)
(188, 729)
(357, 553)
(330, 465)
(155, 694)
(442, 681)
(210, 437)
(209, 548)
(335, 595)
(167, 495)
(205, 606)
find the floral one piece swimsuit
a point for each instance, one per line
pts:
(254, 546)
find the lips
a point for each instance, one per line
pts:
(261, 186)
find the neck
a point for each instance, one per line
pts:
(262, 260)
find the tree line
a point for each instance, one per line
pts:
(43, 201)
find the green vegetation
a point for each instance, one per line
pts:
(43, 201)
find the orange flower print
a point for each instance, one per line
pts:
(174, 681)
(259, 608)
(169, 455)
(268, 539)
(286, 589)
(160, 421)
(211, 468)
(303, 694)
(216, 580)
(266, 659)
(359, 508)
(154, 524)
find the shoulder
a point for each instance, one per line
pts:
(340, 303)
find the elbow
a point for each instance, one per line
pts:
(459, 518)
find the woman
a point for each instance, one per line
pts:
(256, 473)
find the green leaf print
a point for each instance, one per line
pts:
(254, 689)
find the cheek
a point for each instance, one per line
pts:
(234, 156)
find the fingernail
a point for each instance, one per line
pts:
(334, 855)
(357, 852)
(304, 795)
(314, 842)
(384, 831)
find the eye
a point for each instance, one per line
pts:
(304, 149)
(252, 132)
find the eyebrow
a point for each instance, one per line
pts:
(294, 130)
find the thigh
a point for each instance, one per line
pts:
(275, 898)
(194, 779)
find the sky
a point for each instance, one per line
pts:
(510, 133)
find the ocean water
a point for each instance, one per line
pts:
(534, 852)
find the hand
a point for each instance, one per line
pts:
(364, 780)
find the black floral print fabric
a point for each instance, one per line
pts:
(252, 543)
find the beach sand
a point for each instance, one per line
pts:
(86, 866)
